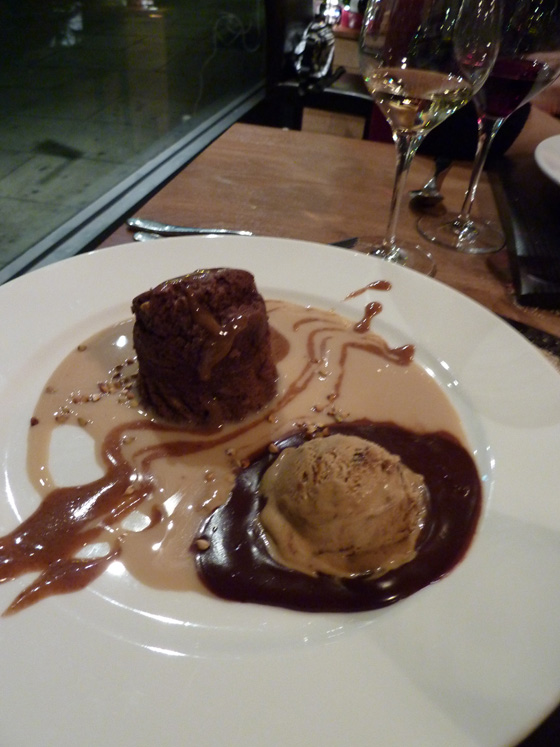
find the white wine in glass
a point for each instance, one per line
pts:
(422, 60)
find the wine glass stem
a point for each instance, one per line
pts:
(487, 129)
(407, 144)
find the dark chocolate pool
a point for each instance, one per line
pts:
(236, 565)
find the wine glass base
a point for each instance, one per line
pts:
(474, 237)
(405, 254)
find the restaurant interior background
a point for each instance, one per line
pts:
(105, 99)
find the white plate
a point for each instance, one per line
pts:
(473, 659)
(547, 156)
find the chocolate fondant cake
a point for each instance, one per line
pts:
(203, 346)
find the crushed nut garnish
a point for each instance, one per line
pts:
(62, 415)
(202, 544)
(338, 415)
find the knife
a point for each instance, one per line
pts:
(346, 243)
(167, 229)
(148, 235)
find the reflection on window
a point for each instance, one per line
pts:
(101, 98)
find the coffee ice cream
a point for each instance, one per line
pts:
(342, 505)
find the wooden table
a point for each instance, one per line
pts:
(324, 188)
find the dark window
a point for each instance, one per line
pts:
(104, 99)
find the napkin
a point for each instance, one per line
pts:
(529, 207)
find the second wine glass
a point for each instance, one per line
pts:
(421, 61)
(528, 61)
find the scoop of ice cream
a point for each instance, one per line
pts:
(342, 505)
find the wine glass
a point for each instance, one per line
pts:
(528, 61)
(422, 60)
